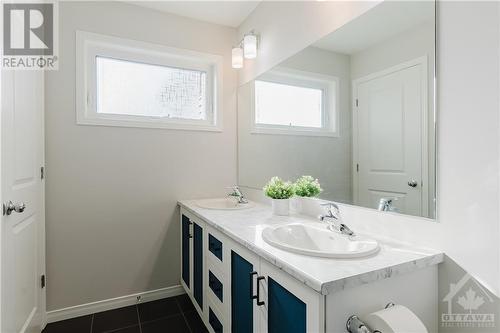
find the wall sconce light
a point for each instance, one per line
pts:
(237, 57)
(250, 46)
(247, 48)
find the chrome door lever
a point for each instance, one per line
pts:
(412, 183)
(9, 207)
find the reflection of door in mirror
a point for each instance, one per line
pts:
(389, 139)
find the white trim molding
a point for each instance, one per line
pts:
(113, 303)
(90, 46)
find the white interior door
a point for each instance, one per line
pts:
(390, 149)
(22, 241)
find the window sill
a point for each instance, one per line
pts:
(294, 132)
(149, 124)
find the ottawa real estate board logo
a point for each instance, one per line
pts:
(468, 305)
(30, 35)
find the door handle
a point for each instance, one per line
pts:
(252, 296)
(259, 302)
(10, 207)
(412, 183)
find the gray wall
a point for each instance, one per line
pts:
(112, 221)
(262, 156)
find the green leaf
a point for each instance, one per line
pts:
(307, 186)
(279, 189)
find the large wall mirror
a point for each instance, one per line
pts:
(354, 110)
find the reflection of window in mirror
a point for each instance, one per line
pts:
(295, 102)
(288, 105)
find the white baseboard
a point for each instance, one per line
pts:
(112, 303)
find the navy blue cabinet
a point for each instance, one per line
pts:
(215, 322)
(285, 312)
(262, 297)
(215, 246)
(241, 294)
(192, 263)
(198, 264)
(216, 286)
(290, 306)
(185, 249)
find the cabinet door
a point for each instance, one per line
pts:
(289, 306)
(198, 264)
(244, 318)
(185, 238)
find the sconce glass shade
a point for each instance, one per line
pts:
(250, 46)
(237, 57)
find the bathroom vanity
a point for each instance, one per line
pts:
(239, 283)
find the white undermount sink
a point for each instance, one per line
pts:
(223, 204)
(316, 240)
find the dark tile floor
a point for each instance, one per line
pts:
(175, 314)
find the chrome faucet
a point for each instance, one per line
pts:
(334, 219)
(386, 205)
(236, 193)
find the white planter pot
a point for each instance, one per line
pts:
(306, 205)
(281, 207)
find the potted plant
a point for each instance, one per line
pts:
(280, 192)
(306, 188)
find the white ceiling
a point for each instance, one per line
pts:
(228, 13)
(378, 24)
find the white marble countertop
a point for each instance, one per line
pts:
(324, 275)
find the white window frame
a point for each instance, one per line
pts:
(330, 108)
(90, 45)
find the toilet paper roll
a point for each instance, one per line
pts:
(396, 319)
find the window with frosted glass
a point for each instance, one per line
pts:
(288, 105)
(139, 89)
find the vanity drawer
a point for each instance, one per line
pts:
(214, 321)
(215, 246)
(216, 286)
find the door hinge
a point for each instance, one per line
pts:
(357, 167)
(42, 281)
(42, 172)
(357, 102)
